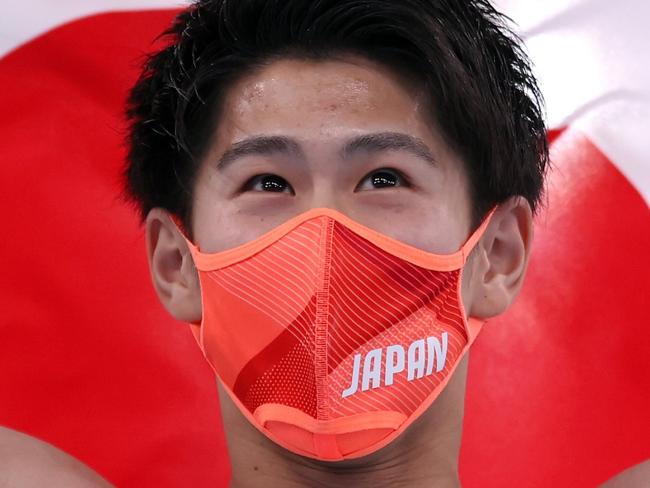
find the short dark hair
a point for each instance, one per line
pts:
(483, 95)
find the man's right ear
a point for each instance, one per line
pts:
(173, 273)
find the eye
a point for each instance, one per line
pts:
(268, 182)
(382, 178)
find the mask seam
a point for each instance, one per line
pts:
(322, 320)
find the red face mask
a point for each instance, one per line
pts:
(330, 337)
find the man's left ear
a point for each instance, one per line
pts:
(501, 259)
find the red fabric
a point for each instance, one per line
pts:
(90, 360)
(558, 387)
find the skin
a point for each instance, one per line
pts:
(28, 462)
(321, 107)
(634, 477)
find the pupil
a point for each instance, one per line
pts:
(383, 178)
(273, 183)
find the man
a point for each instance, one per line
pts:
(337, 195)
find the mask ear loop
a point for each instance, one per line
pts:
(194, 250)
(474, 325)
(195, 327)
(179, 225)
(476, 235)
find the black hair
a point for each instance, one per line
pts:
(483, 95)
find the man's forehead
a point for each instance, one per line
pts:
(325, 85)
(321, 101)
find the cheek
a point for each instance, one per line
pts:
(434, 230)
(212, 218)
(221, 224)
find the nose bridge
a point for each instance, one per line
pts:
(326, 195)
(328, 185)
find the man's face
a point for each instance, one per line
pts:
(346, 134)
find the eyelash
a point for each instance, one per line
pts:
(271, 183)
(401, 177)
(248, 186)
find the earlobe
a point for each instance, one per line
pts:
(173, 274)
(502, 258)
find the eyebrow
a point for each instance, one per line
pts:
(369, 143)
(260, 145)
(387, 141)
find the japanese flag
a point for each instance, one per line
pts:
(558, 389)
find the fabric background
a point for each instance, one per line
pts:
(559, 387)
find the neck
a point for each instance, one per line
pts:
(425, 455)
